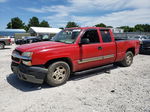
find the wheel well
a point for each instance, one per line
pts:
(132, 50)
(65, 59)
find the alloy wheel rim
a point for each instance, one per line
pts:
(59, 73)
(129, 59)
(1, 46)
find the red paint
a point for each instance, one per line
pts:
(45, 51)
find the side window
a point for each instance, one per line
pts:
(105, 36)
(92, 35)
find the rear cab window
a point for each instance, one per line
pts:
(105, 34)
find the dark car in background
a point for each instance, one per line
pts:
(144, 43)
(32, 39)
(26, 40)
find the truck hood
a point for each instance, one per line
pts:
(40, 46)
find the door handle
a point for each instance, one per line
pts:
(100, 48)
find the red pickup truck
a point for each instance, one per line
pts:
(71, 50)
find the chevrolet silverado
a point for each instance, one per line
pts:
(71, 50)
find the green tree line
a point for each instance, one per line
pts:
(17, 23)
(136, 28)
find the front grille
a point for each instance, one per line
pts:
(14, 64)
(15, 59)
(18, 51)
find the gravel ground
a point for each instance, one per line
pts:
(105, 89)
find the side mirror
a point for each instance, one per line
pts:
(84, 41)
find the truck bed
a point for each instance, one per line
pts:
(121, 38)
(123, 45)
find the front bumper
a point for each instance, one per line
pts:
(30, 74)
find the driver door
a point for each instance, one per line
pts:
(90, 53)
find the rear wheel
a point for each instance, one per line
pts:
(127, 61)
(58, 73)
(2, 45)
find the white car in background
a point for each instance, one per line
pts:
(4, 42)
(140, 37)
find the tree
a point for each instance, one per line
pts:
(15, 23)
(109, 26)
(9, 25)
(142, 27)
(34, 21)
(71, 24)
(26, 27)
(44, 24)
(128, 29)
(61, 28)
(100, 25)
(131, 29)
(139, 28)
(125, 28)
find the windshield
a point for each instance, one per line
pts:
(67, 36)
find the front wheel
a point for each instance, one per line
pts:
(58, 73)
(2, 45)
(127, 61)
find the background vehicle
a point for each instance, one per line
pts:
(26, 40)
(144, 43)
(4, 41)
(71, 50)
(32, 39)
(140, 37)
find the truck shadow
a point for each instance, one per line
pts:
(145, 53)
(92, 72)
(14, 81)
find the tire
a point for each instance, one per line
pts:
(127, 61)
(58, 73)
(2, 45)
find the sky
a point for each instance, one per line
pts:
(84, 12)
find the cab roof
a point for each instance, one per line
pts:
(87, 28)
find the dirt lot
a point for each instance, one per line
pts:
(99, 90)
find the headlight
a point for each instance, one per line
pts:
(27, 54)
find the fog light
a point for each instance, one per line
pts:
(28, 63)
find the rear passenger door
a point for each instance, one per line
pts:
(108, 46)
